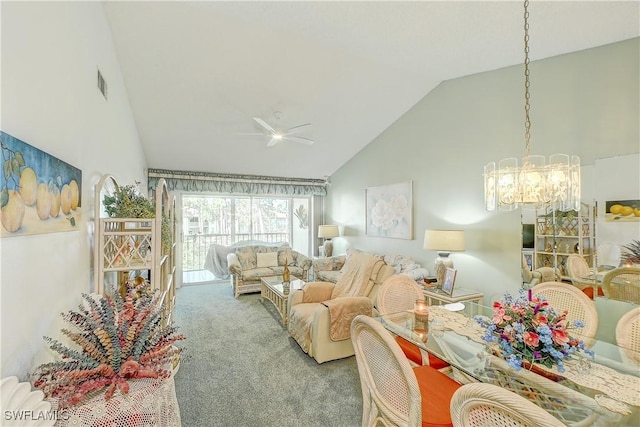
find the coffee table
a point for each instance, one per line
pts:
(272, 289)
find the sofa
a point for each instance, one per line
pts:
(330, 269)
(249, 264)
(216, 260)
(320, 314)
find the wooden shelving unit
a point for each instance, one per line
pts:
(129, 247)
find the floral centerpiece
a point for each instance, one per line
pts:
(530, 330)
(120, 339)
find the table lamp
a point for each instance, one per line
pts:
(444, 242)
(327, 232)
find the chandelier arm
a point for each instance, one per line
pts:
(527, 106)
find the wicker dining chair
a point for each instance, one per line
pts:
(622, 284)
(628, 335)
(579, 270)
(487, 405)
(399, 293)
(563, 296)
(394, 393)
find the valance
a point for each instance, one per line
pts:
(203, 182)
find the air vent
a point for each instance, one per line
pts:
(102, 85)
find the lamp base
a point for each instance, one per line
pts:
(442, 263)
(328, 248)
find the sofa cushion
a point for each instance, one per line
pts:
(285, 254)
(327, 276)
(247, 257)
(255, 274)
(267, 259)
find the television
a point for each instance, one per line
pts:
(528, 236)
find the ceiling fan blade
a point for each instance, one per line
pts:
(273, 141)
(297, 127)
(264, 124)
(300, 139)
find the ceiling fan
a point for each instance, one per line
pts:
(278, 135)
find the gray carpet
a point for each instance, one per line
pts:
(241, 368)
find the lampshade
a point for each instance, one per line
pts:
(444, 240)
(328, 231)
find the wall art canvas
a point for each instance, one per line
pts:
(39, 193)
(389, 211)
(622, 210)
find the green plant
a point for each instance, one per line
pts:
(120, 339)
(127, 202)
(632, 253)
(166, 235)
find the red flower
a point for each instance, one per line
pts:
(531, 339)
(499, 315)
(560, 337)
(540, 319)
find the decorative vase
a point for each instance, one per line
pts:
(286, 274)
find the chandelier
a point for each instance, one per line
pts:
(534, 183)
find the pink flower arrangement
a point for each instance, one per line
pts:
(529, 329)
(120, 339)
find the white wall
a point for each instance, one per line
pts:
(613, 186)
(50, 55)
(583, 103)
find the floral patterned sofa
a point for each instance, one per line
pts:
(249, 264)
(329, 269)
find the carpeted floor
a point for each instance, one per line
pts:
(241, 368)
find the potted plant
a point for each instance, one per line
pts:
(119, 339)
(127, 202)
(631, 255)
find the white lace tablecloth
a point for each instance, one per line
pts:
(149, 403)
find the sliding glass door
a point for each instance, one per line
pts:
(225, 220)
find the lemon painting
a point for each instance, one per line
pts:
(39, 193)
(622, 210)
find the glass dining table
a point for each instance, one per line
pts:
(602, 390)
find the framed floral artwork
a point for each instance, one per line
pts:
(389, 211)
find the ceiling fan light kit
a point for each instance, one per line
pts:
(278, 135)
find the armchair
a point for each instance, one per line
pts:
(320, 313)
(539, 275)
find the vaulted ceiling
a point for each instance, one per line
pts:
(198, 72)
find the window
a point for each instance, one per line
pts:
(224, 220)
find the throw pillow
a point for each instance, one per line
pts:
(285, 254)
(247, 258)
(267, 259)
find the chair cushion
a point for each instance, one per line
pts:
(436, 390)
(588, 291)
(413, 353)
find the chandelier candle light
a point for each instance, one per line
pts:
(444, 242)
(534, 183)
(327, 232)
